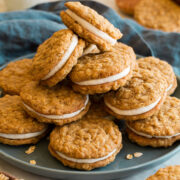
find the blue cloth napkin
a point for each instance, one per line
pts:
(22, 31)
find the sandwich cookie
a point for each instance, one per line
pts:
(167, 173)
(86, 144)
(16, 126)
(162, 15)
(59, 104)
(127, 6)
(15, 75)
(100, 73)
(56, 57)
(166, 69)
(90, 25)
(160, 130)
(140, 98)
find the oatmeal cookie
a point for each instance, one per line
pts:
(16, 75)
(169, 172)
(16, 126)
(100, 73)
(160, 130)
(86, 144)
(127, 6)
(140, 98)
(58, 104)
(90, 25)
(162, 15)
(56, 57)
(166, 69)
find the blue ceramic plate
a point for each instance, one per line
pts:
(50, 167)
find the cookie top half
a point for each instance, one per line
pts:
(166, 122)
(87, 138)
(103, 65)
(153, 64)
(90, 25)
(14, 120)
(143, 89)
(162, 14)
(57, 100)
(56, 56)
(169, 172)
(16, 75)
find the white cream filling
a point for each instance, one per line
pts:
(149, 136)
(89, 49)
(105, 80)
(170, 86)
(64, 116)
(133, 111)
(88, 161)
(91, 28)
(64, 59)
(22, 136)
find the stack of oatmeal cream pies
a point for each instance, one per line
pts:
(54, 88)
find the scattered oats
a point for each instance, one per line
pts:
(32, 162)
(3, 177)
(129, 156)
(138, 154)
(30, 150)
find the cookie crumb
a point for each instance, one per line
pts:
(32, 162)
(30, 150)
(129, 156)
(138, 154)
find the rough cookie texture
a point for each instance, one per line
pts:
(16, 75)
(50, 53)
(127, 6)
(169, 172)
(103, 65)
(166, 69)
(86, 139)
(93, 18)
(166, 122)
(162, 14)
(154, 142)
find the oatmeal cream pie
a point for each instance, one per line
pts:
(158, 14)
(90, 25)
(86, 144)
(56, 57)
(15, 75)
(140, 98)
(16, 126)
(166, 69)
(58, 104)
(100, 73)
(167, 173)
(160, 130)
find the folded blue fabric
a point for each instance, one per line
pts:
(21, 32)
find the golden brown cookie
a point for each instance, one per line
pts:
(90, 25)
(90, 49)
(140, 98)
(167, 173)
(166, 69)
(56, 57)
(162, 15)
(16, 75)
(160, 130)
(59, 104)
(16, 126)
(100, 73)
(127, 6)
(86, 144)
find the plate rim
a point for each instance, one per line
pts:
(25, 165)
